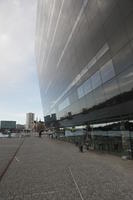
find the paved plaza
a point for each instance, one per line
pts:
(45, 169)
(8, 148)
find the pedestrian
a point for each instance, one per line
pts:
(81, 147)
(40, 134)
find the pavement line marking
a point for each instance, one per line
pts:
(16, 159)
(35, 193)
(47, 192)
(11, 160)
(77, 187)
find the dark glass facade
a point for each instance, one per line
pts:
(7, 124)
(84, 51)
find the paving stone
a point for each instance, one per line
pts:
(54, 170)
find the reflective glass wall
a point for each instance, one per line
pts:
(84, 51)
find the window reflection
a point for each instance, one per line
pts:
(111, 89)
(87, 86)
(96, 80)
(126, 80)
(98, 96)
(64, 104)
(80, 91)
(107, 71)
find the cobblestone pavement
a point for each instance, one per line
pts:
(7, 150)
(46, 169)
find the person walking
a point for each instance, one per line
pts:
(81, 146)
(40, 134)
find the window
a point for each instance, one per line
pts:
(96, 80)
(80, 91)
(84, 89)
(107, 71)
(87, 86)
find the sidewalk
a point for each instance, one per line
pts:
(46, 169)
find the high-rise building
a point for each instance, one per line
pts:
(30, 120)
(84, 51)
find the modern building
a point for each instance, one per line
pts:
(30, 120)
(7, 125)
(84, 53)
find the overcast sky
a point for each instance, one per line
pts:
(19, 89)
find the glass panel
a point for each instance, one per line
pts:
(107, 71)
(126, 80)
(123, 59)
(64, 104)
(87, 86)
(75, 107)
(99, 95)
(84, 89)
(80, 91)
(102, 51)
(81, 104)
(73, 96)
(96, 80)
(111, 89)
(89, 100)
(53, 111)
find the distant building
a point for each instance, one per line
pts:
(8, 125)
(30, 120)
(50, 120)
(20, 127)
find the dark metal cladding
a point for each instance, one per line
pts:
(84, 51)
